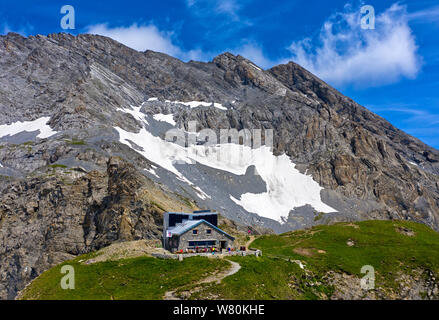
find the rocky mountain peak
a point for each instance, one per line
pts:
(229, 61)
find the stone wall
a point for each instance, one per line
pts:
(202, 235)
(257, 253)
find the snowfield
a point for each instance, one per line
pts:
(135, 112)
(193, 104)
(169, 118)
(28, 126)
(152, 171)
(287, 188)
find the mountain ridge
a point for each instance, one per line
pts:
(101, 188)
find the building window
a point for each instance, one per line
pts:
(209, 231)
(195, 231)
(202, 243)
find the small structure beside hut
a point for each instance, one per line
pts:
(194, 232)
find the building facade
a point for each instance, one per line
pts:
(194, 231)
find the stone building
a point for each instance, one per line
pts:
(194, 230)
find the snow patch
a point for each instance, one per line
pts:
(195, 104)
(152, 171)
(135, 112)
(156, 150)
(287, 188)
(201, 194)
(169, 118)
(28, 126)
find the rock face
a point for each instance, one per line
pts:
(82, 188)
(49, 219)
(420, 285)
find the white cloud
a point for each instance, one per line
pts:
(345, 54)
(149, 37)
(138, 37)
(342, 53)
(146, 37)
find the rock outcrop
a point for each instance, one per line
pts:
(51, 218)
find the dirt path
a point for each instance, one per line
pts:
(249, 242)
(217, 278)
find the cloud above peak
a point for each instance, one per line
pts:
(138, 37)
(345, 54)
(150, 37)
(341, 52)
(146, 37)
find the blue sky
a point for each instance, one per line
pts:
(392, 70)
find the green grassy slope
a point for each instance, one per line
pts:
(391, 247)
(262, 278)
(138, 278)
(382, 244)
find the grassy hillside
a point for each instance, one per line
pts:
(318, 263)
(138, 278)
(386, 245)
(399, 251)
